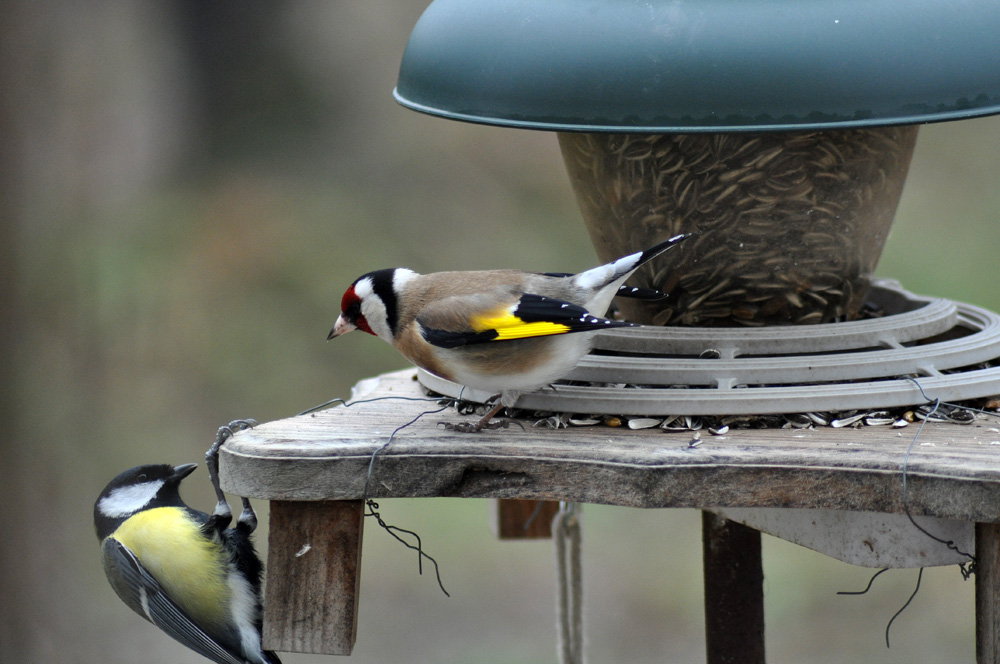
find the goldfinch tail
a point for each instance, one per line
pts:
(619, 270)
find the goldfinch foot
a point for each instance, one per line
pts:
(473, 427)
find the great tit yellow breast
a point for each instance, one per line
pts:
(191, 568)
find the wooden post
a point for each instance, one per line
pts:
(734, 592)
(313, 568)
(988, 593)
(524, 519)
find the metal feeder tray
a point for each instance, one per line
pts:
(947, 346)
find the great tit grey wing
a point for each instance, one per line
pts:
(529, 315)
(144, 595)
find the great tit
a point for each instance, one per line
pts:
(186, 572)
(502, 331)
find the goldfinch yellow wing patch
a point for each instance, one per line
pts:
(508, 325)
(532, 316)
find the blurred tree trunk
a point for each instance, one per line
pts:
(90, 113)
(11, 445)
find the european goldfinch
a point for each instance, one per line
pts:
(502, 331)
(186, 572)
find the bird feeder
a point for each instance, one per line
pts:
(779, 133)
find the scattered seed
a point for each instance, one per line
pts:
(819, 419)
(847, 421)
(643, 423)
(798, 421)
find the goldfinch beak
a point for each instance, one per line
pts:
(342, 326)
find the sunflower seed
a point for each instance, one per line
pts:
(796, 203)
(643, 423)
(847, 421)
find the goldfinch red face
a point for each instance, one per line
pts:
(350, 317)
(370, 304)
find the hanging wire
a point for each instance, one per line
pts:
(371, 462)
(347, 403)
(373, 506)
(920, 575)
(867, 588)
(534, 515)
(967, 569)
(418, 547)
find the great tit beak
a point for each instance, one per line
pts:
(342, 326)
(182, 471)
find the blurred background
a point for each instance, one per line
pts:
(186, 189)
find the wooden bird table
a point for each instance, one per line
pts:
(314, 470)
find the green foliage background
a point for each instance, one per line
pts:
(188, 188)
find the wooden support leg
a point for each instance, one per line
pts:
(988, 593)
(734, 592)
(524, 519)
(313, 567)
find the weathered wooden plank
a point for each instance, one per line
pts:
(953, 471)
(987, 593)
(734, 592)
(523, 519)
(313, 569)
(869, 539)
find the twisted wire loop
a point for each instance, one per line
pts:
(418, 547)
(373, 507)
(569, 583)
(968, 568)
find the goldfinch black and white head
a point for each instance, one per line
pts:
(183, 570)
(501, 331)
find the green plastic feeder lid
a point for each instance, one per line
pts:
(703, 65)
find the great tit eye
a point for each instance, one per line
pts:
(142, 477)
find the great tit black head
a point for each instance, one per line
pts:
(186, 572)
(137, 489)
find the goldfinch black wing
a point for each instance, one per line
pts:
(527, 316)
(144, 595)
(634, 292)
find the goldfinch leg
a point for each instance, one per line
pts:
(483, 423)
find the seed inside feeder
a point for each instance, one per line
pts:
(789, 226)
